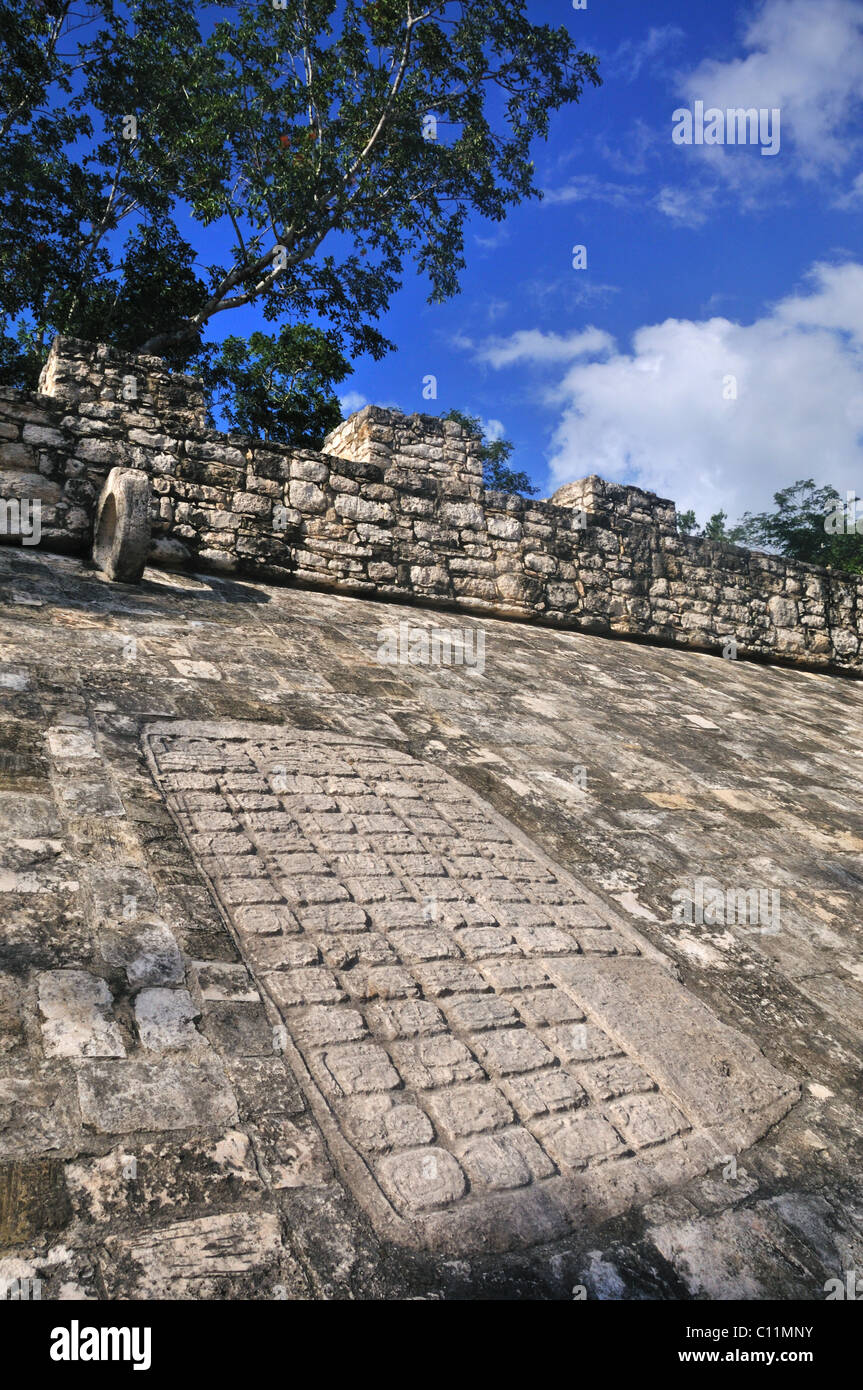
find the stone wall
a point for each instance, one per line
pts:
(394, 507)
(596, 497)
(408, 445)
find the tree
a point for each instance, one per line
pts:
(374, 126)
(495, 454)
(715, 528)
(156, 276)
(809, 523)
(278, 387)
(68, 80)
(497, 475)
(377, 127)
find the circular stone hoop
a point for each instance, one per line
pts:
(121, 534)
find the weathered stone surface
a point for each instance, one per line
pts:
(748, 1254)
(422, 1178)
(121, 1096)
(12, 1034)
(289, 1154)
(197, 1259)
(66, 743)
(38, 1111)
(165, 1019)
(129, 1183)
(76, 1011)
(381, 1122)
(715, 1074)
(33, 1201)
(453, 1078)
(264, 1085)
(613, 763)
(226, 982)
(147, 952)
(510, 1159)
(167, 552)
(363, 1053)
(121, 528)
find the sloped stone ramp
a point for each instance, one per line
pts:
(493, 1056)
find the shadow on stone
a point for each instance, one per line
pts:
(33, 1200)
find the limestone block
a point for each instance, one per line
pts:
(40, 434)
(29, 487)
(122, 527)
(76, 1009)
(783, 611)
(306, 497)
(14, 454)
(168, 553)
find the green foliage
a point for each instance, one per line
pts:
(154, 277)
(495, 454)
(808, 523)
(715, 528)
(497, 476)
(277, 387)
(68, 76)
(797, 527)
(291, 127)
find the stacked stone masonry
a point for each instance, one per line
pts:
(394, 507)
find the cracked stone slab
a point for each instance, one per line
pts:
(147, 952)
(71, 744)
(195, 1259)
(126, 1184)
(494, 1056)
(165, 1019)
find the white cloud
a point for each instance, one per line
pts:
(531, 345)
(493, 240)
(631, 152)
(587, 188)
(496, 308)
(853, 197)
(688, 207)
(802, 57)
(632, 55)
(352, 401)
(805, 57)
(493, 429)
(657, 416)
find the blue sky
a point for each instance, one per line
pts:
(703, 263)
